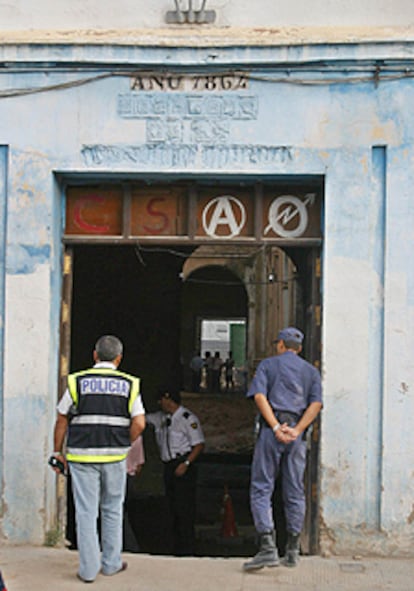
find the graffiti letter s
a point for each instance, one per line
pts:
(153, 212)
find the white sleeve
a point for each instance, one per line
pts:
(65, 403)
(137, 407)
(194, 430)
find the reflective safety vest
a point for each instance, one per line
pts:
(102, 402)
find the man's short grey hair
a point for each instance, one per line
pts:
(108, 348)
(294, 345)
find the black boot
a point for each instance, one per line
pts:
(291, 557)
(267, 555)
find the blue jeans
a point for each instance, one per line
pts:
(99, 486)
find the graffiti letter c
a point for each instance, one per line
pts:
(78, 215)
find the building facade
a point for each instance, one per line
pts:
(247, 130)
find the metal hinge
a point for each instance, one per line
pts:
(318, 315)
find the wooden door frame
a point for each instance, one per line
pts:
(64, 362)
(313, 308)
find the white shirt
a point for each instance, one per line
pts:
(66, 402)
(177, 433)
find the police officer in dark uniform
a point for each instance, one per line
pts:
(287, 392)
(180, 440)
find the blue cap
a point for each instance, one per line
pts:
(290, 334)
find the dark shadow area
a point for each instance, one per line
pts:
(222, 478)
(137, 295)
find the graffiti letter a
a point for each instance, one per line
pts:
(224, 210)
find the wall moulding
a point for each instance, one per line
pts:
(185, 156)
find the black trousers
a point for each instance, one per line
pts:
(195, 380)
(181, 494)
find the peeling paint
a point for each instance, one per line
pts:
(24, 259)
(404, 388)
(21, 485)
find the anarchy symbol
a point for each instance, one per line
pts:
(286, 208)
(225, 211)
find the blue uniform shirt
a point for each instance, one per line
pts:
(289, 382)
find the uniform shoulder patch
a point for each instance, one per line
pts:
(186, 414)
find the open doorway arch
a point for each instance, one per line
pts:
(141, 281)
(213, 293)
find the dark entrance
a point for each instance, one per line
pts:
(134, 293)
(139, 295)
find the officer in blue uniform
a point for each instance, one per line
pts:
(287, 393)
(180, 440)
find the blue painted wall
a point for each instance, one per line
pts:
(3, 202)
(302, 111)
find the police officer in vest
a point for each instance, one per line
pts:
(180, 440)
(107, 414)
(287, 393)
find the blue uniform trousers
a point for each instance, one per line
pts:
(270, 456)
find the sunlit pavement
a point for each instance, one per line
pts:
(27, 568)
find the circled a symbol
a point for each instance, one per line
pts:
(226, 211)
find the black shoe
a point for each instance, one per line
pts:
(267, 555)
(291, 557)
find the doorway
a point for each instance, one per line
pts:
(155, 294)
(139, 295)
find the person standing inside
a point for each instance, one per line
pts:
(228, 372)
(217, 365)
(180, 441)
(208, 366)
(106, 413)
(196, 366)
(287, 393)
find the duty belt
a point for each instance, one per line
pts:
(178, 459)
(290, 418)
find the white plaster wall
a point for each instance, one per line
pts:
(28, 484)
(130, 14)
(398, 474)
(30, 352)
(367, 445)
